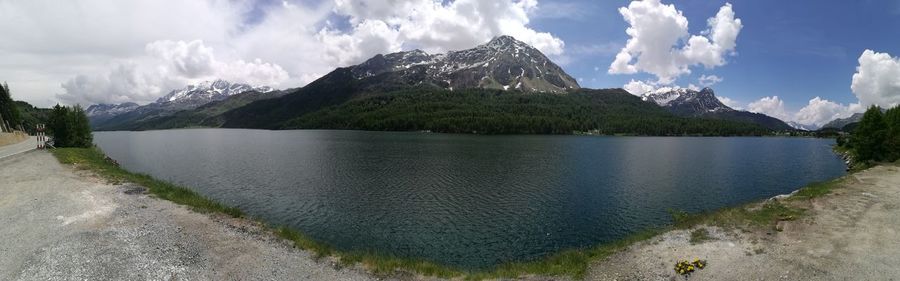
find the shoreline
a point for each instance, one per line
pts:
(573, 263)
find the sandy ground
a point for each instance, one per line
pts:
(851, 234)
(61, 224)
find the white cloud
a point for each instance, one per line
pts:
(820, 111)
(661, 45)
(638, 88)
(167, 65)
(817, 112)
(115, 51)
(438, 26)
(731, 103)
(709, 80)
(877, 79)
(772, 106)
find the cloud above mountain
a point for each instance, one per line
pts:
(661, 45)
(86, 54)
(876, 82)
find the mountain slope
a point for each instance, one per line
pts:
(129, 116)
(841, 122)
(705, 104)
(484, 111)
(503, 63)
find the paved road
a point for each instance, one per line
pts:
(13, 149)
(57, 223)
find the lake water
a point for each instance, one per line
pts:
(464, 200)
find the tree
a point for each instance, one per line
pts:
(870, 135)
(892, 143)
(8, 108)
(69, 127)
(81, 128)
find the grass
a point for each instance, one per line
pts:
(700, 235)
(94, 160)
(573, 262)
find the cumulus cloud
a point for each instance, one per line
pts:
(820, 111)
(637, 88)
(876, 82)
(730, 102)
(167, 43)
(661, 45)
(815, 113)
(168, 65)
(438, 26)
(709, 80)
(877, 79)
(772, 106)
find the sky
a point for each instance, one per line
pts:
(803, 61)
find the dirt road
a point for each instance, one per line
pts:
(851, 234)
(59, 224)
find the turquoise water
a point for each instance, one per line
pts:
(470, 201)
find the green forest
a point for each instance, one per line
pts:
(607, 112)
(876, 138)
(9, 113)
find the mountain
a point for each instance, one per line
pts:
(841, 122)
(207, 115)
(687, 102)
(208, 91)
(104, 112)
(501, 87)
(130, 116)
(804, 127)
(705, 104)
(491, 111)
(504, 63)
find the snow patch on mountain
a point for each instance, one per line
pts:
(503, 63)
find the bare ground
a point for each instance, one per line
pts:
(61, 224)
(851, 234)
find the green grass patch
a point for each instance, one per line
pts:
(700, 235)
(817, 189)
(94, 160)
(753, 215)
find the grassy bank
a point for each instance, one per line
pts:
(573, 263)
(94, 160)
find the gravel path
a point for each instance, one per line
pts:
(852, 234)
(61, 224)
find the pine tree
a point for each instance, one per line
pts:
(8, 108)
(870, 135)
(892, 144)
(81, 128)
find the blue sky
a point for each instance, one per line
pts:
(773, 57)
(793, 49)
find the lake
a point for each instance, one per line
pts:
(466, 200)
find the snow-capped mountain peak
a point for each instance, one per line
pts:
(208, 91)
(503, 63)
(109, 109)
(704, 100)
(799, 126)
